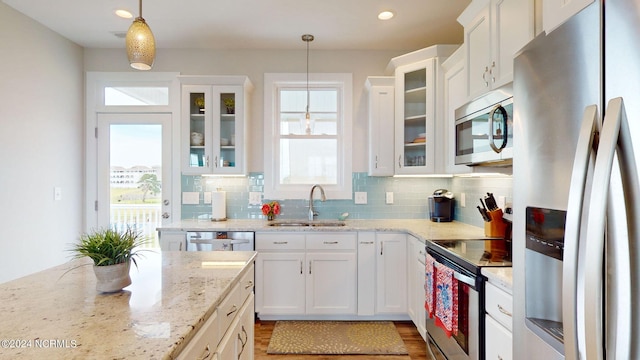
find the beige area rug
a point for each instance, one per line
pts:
(336, 337)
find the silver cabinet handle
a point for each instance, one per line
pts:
(300, 266)
(207, 160)
(280, 242)
(309, 267)
(366, 242)
(330, 242)
(504, 311)
(249, 284)
(381, 246)
(493, 66)
(400, 161)
(215, 162)
(234, 308)
(205, 354)
(484, 76)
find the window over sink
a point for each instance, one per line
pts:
(300, 152)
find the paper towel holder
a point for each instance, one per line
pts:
(218, 205)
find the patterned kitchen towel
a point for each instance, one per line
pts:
(429, 283)
(446, 299)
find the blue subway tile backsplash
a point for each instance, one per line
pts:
(410, 197)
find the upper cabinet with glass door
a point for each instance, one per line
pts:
(418, 83)
(214, 112)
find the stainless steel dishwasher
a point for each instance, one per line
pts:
(220, 241)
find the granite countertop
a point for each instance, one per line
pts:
(58, 314)
(423, 229)
(500, 276)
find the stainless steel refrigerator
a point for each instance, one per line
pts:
(576, 209)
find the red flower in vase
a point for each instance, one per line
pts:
(271, 209)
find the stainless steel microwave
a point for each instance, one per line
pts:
(484, 129)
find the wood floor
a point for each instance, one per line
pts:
(412, 340)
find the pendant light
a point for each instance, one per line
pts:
(141, 46)
(307, 38)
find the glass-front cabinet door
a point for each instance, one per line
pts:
(228, 125)
(214, 129)
(415, 118)
(197, 110)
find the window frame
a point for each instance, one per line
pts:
(273, 82)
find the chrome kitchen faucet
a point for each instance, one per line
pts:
(312, 213)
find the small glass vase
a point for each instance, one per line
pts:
(271, 217)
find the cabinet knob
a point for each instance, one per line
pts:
(165, 215)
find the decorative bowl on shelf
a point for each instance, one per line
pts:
(197, 139)
(224, 141)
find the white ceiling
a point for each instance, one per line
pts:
(256, 24)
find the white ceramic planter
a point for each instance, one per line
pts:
(112, 278)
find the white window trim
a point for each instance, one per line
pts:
(272, 189)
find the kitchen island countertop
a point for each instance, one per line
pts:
(58, 314)
(423, 229)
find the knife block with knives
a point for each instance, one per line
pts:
(496, 227)
(492, 215)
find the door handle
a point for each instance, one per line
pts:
(505, 132)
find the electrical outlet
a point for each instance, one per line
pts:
(463, 200)
(207, 197)
(190, 198)
(389, 197)
(255, 198)
(360, 198)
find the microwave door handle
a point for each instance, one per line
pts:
(573, 237)
(492, 143)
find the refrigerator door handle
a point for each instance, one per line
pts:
(584, 158)
(615, 133)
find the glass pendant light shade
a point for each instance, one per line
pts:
(141, 45)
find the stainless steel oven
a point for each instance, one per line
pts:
(466, 258)
(220, 241)
(484, 129)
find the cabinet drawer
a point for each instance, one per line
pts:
(279, 241)
(204, 342)
(331, 241)
(499, 305)
(246, 284)
(228, 309)
(499, 341)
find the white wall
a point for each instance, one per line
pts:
(41, 145)
(255, 63)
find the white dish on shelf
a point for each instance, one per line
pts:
(224, 141)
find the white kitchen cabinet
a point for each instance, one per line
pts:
(494, 30)
(366, 273)
(556, 12)
(416, 293)
(280, 283)
(306, 274)
(455, 95)
(498, 323)
(172, 240)
(391, 273)
(418, 106)
(381, 125)
(214, 124)
(229, 332)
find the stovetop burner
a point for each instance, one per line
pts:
(475, 253)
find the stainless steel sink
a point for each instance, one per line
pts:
(304, 223)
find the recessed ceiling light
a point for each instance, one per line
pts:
(125, 14)
(386, 15)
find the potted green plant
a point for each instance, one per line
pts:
(112, 252)
(230, 103)
(199, 102)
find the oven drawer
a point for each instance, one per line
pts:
(499, 305)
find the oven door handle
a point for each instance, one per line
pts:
(465, 279)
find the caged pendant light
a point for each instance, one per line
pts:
(307, 38)
(141, 46)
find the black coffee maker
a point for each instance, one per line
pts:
(441, 206)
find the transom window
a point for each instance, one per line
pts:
(309, 151)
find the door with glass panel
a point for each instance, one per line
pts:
(134, 166)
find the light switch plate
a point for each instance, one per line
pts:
(190, 198)
(255, 198)
(360, 198)
(207, 197)
(463, 200)
(389, 197)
